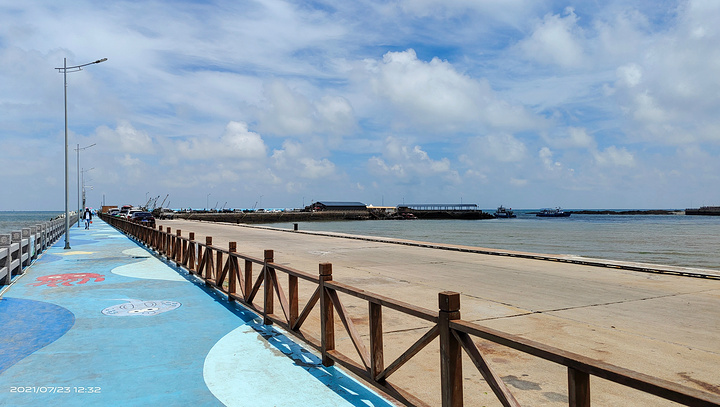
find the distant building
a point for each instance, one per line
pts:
(338, 206)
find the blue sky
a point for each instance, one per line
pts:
(527, 104)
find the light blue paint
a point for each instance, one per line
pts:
(237, 368)
(149, 267)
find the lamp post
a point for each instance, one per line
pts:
(65, 69)
(78, 149)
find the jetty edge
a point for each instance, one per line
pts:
(506, 296)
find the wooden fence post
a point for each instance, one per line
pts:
(327, 318)
(232, 271)
(248, 279)
(268, 305)
(578, 388)
(293, 299)
(177, 251)
(450, 351)
(191, 254)
(166, 241)
(208, 259)
(377, 364)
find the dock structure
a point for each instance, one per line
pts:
(704, 211)
(440, 207)
(433, 326)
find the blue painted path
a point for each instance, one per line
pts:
(107, 323)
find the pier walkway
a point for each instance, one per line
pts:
(107, 323)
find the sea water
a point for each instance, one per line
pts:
(675, 240)
(16, 220)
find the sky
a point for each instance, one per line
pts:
(277, 104)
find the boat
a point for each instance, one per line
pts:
(504, 213)
(553, 213)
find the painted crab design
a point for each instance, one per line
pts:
(67, 279)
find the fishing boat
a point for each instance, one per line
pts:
(504, 213)
(553, 213)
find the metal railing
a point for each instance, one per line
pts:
(19, 249)
(233, 274)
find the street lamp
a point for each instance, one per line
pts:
(65, 69)
(78, 149)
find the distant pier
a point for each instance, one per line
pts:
(704, 210)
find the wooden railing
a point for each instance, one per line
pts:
(20, 248)
(233, 274)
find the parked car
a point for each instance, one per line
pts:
(165, 213)
(146, 218)
(130, 213)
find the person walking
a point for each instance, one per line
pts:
(88, 218)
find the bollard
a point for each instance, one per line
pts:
(295, 227)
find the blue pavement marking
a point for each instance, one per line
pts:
(107, 323)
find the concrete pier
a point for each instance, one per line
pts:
(662, 325)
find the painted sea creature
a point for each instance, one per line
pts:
(141, 307)
(67, 279)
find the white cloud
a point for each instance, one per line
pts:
(503, 147)
(614, 157)
(125, 138)
(296, 160)
(556, 40)
(546, 157)
(290, 113)
(237, 142)
(629, 75)
(434, 96)
(404, 163)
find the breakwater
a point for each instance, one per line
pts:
(20, 248)
(705, 210)
(302, 216)
(274, 217)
